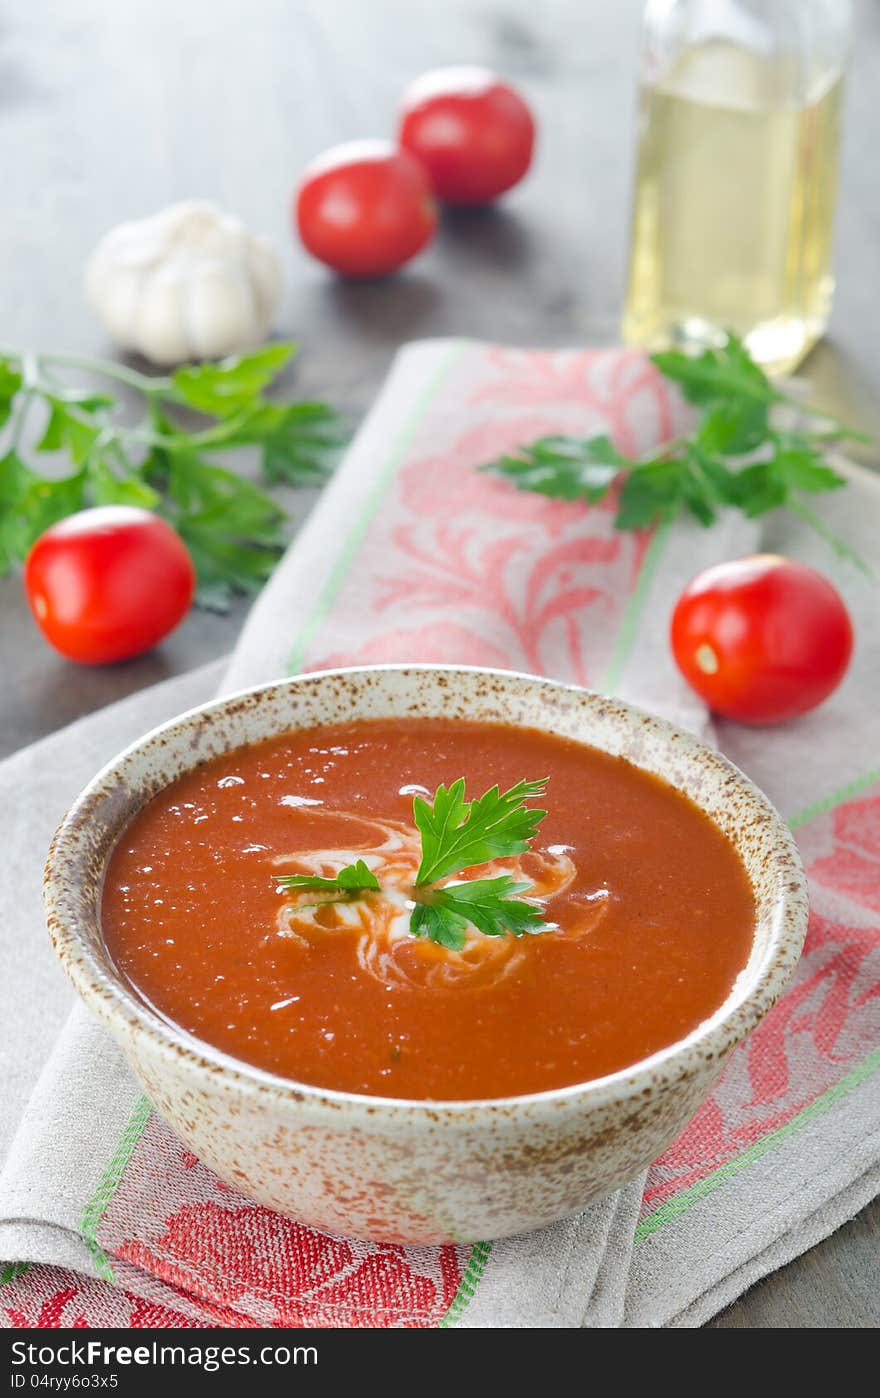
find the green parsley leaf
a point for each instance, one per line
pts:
(228, 387)
(68, 424)
(297, 448)
(690, 479)
(80, 437)
(717, 375)
(44, 502)
(231, 527)
(487, 904)
(442, 925)
(14, 481)
(10, 384)
(566, 468)
(109, 489)
(651, 492)
(55, 435)
(794, 465)
(203, 491)
(350, 881)
(456, 834)
(733, 426)
(802, 466)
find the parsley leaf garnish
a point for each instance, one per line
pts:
(350, 881)
(565, 468)
(488, 904)
(170, 461)
(457, 834)
(739, 420)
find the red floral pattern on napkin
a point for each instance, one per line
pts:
(823, 1028)
(174, 1220)
(457, 566)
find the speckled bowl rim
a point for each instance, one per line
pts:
(68, 913)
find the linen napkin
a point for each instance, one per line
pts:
(105, 1218)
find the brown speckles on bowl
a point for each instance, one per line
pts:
(417, 1171)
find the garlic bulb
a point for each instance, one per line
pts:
(189, 283)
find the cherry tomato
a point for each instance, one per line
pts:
(365, 208)
(761, 639)
(474, 133)
(108, 583)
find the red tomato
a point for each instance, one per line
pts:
(473, 132)
(365, 208)
(108, 583)
(761, 639)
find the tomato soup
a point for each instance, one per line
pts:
(651, 914)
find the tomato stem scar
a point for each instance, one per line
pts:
(706, 659)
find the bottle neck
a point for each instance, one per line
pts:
(779, 52)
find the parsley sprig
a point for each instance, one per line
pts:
(167, 461)
(443, 914)
(350, 881)
(754, 448)
(456, 834)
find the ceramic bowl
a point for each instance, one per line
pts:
(390, 1169)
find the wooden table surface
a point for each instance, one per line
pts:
(110, 112)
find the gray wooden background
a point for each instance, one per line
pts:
(111, 110)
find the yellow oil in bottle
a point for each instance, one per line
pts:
(734, 204)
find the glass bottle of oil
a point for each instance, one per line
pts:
(736, 174)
